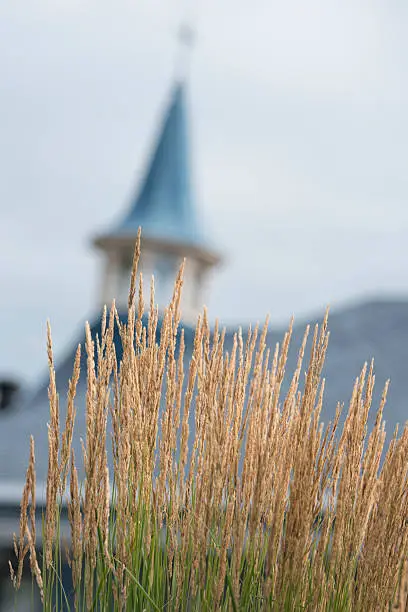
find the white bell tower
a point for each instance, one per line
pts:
(165, 209)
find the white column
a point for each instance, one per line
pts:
(110, 283)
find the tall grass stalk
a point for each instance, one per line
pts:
(269, 511)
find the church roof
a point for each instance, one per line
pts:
(376, 329)
(164, 206)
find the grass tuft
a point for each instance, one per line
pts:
(259, 507)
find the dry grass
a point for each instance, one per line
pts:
(270, 511)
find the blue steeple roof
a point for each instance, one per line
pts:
(165, 204)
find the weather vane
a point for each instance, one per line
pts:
(186, 39)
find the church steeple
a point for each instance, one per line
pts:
(165, 208)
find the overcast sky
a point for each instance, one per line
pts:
(300, 150)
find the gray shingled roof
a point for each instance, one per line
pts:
(376, 329)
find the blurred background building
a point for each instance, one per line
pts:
(301, 132)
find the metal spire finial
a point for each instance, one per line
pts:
(186, 39)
